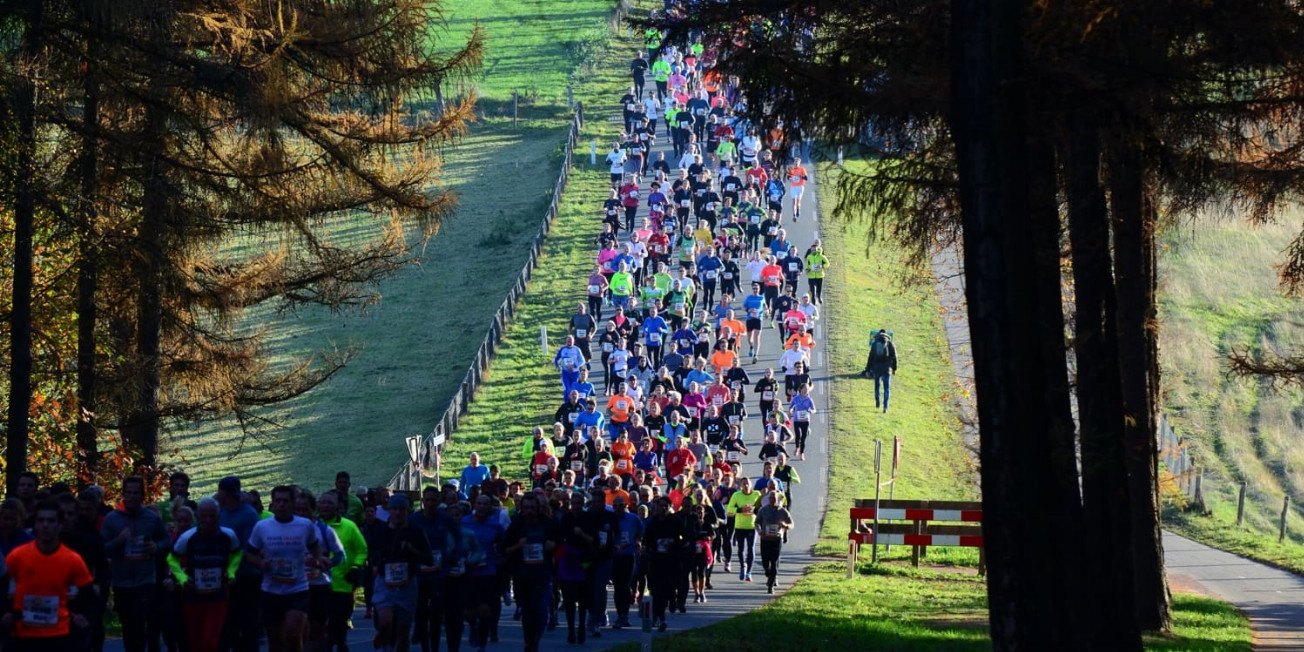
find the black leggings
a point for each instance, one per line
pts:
(575, 597)
(708, 293)
(745, 540)
(816, 288)
(595, 307)
(770, 559)
(622, 579)
(455, 606)
(339, 608)
(631, 212)
(662, 575)
(724, 541)
(801, 429)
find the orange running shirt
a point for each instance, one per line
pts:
(41, 584)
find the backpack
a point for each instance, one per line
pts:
(878, 350)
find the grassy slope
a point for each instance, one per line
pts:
(894, 607)
(864, 294)
(521, 388)
(1219, 292)
(415, 345)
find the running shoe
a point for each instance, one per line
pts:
(749, 578)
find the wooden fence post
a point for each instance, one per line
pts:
(1285, 507)
(1240, 506)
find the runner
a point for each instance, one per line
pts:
(816, 266)
(802, 407)
(530, 541)
(50, 585)
(203, 563)
(134, 538)
(773, 521)
(281, 546)
(742, 507)
(797, 181)
(483, 605)
(346, 576)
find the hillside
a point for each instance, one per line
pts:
(1218, 292)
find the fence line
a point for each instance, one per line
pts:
(1194, 484)
(408, 478)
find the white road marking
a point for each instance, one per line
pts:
(824, 446)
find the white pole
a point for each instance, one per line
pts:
(839, 157)
(593, 153)
(543, 339)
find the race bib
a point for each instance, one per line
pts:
(581, 333)
(577, 466)
(772, 230)
(438, 561)
(755, 219)
(772, 529)
(767, 396)
(718, 400)
(595, 289)
(732, 456)
(802, 415)
(572, 416)
(678, 306)
(792, 267)
(733, 420)
(630, 106)
(728, 275)
(703, 338)
(541, 469)
(654, 338)
(713, 448)
(730, 187)
(625, 539)
(664, 544)
(134, 549)
(283, 571)
(686, 203)
(602, 539)
(608, 347)
(41, 610)
(396, 574)
(208, 580)
(622, 405)
(710, 274)
(622, 464)
(458, 569)
(815, 267)
(533, 553)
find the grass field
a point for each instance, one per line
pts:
(1219, 292)
(414, 346)
(521, 390)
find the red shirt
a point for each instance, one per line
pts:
(659, 243)
(757, 176)
(629, 195)
(772, 275)
(679, 459)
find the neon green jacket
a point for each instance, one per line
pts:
(355, 553)
(661, 70)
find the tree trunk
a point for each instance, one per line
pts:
(1100, 402)
(1031, 592)
(20, 327)
(1137, 317)
(87, 277)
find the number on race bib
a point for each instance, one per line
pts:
(732, 456)
(533, 553)
(208, 580)
(396, 574)
(577, 466)
(283, 570)
(41, 610)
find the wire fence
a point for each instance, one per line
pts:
(423, 455)
(1193, 486)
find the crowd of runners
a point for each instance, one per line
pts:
(637, 488)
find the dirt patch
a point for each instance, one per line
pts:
(1181, 583)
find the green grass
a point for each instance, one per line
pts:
(414, 346)
(864, 293)
(891, 607)
(521, 388)
(1218, 292)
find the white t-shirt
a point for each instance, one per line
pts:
(616, 161)
(286, 546)
(651, 106)
(789, 360)
(811, 311)
(754, 268)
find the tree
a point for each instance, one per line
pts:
(209, 149)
